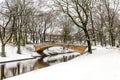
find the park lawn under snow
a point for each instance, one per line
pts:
(103, 64)
(11, 53)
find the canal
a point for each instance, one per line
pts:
(11, 69)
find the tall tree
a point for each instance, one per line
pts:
(22, 11)
(6, 27)
(112, 8)
(78, 11)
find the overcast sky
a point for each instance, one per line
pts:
(2, 0)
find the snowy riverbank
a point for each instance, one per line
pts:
(103, 64)
(11, 53)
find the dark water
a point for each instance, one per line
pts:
(15, 68)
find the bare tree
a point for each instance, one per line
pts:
(6, 27)
(112, 8)
(78, 11)
(22, 11)
(66, 26)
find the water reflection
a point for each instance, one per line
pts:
(2, 68)
(15, 68)
(40, 64)
(51, 60)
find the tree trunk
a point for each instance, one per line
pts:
(93, 29)
(19, 42)
(19, 48)
(104, 39)
(101, 38)
(3, 50)
(88, 40)
(36, 38)
(64, 38)
(26, 38)
(44, 32)
(40, 38)
(112, 39)
(33, 37)
(23, 42)
(44, 37)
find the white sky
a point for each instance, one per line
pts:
(2, 0)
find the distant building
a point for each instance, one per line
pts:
(53, 37)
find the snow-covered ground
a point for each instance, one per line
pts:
(103, 64)
(11, 53)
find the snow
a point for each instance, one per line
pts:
(57, 49)
(103, 64)
(59, 54)
(11, 53)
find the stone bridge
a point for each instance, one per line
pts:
(41, 47)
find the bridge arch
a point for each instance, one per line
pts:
(40, 48)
